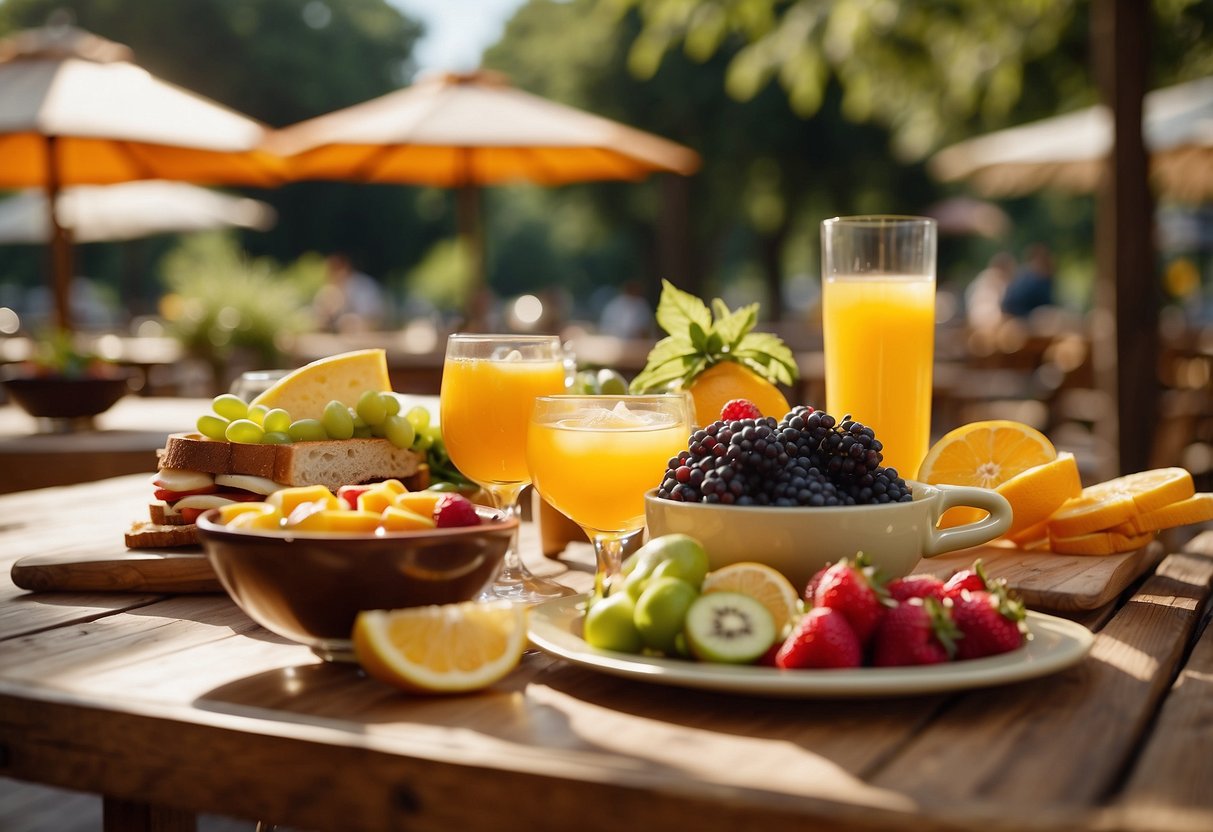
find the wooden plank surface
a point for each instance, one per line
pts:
(182, 701)
(1049, 581)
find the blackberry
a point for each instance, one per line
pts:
(805, 459)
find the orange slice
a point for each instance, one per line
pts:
(442, 649)
(1032, 534)
(1108, 504)
(985, 454)
(1098, 543)
(1038, 492)
(1196, 509)
(762, 583)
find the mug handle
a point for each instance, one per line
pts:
(971, 534)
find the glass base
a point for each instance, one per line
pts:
(335, 650)
(518, 588)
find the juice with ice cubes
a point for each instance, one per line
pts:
(595, 470)
(485, 407)
(879, 347)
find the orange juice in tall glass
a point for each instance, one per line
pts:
(878, 322)
(485, 408)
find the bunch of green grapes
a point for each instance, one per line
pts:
(375, 415)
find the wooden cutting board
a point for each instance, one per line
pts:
(143, 570)
(1063, 583)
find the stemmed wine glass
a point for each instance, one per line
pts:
(489, 384)
(594, 457)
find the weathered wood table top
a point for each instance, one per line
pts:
(173, 705)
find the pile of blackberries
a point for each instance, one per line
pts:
(806, 459)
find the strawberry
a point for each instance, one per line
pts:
(854, 589)
(349, 494)
(973, 579)
(455, 510)
(822, 638)
(916, 586)
(738, 409)
(915, 632)
(810, 589)
(990, 623)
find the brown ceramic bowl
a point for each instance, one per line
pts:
(66, 397)
(309, 586)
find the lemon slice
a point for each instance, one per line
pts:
(764, 584)
(1108, 504)
(450, 648)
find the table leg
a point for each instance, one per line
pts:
(132, 816)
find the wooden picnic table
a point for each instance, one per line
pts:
(171, 705)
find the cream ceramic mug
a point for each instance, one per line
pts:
(799, 541)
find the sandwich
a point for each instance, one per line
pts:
(197, 474)
(348, 436)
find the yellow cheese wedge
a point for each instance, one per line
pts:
(304, 392)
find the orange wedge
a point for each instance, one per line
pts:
(1108, 504)
(450, 648)
(1098, 543)
(1038, 492)
(1196, 509)
(762, 583)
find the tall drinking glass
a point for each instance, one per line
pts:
(878, 320)
(593, 457)
(489, 385)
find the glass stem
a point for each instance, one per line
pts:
(609, 548)
(506, 498)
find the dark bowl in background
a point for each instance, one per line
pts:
(66, 397)
(310, 586)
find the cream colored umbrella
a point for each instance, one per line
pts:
(75, 110)
(127, 211)
(465, 131)
(1069, 152)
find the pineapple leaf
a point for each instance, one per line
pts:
(678, 310)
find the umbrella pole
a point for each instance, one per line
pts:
(471, 232)
(60, 248)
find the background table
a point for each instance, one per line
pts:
(171, 705)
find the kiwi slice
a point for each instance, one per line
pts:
(728, 627)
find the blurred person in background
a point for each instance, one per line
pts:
(349, 301)
(984, 296)
(1033, 284)
(628, 314)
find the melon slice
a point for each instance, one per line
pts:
(304, 392)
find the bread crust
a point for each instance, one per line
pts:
(332, 462)
(147, 535)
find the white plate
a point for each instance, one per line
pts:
(1056, 643)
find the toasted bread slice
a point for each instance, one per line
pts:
(332, 463)
(162, 514)
(145, 535)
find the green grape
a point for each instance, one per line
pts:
(391, 404)
(371, 407)
(308, 430)
(380, 430)
(212, 426)
(362, 432)
(419, 418)
(337, 421)
(230, 406)
(276, 437)
(256, 413)
(423, 442)
(245, 431)
(276, 421)
(399, 431)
